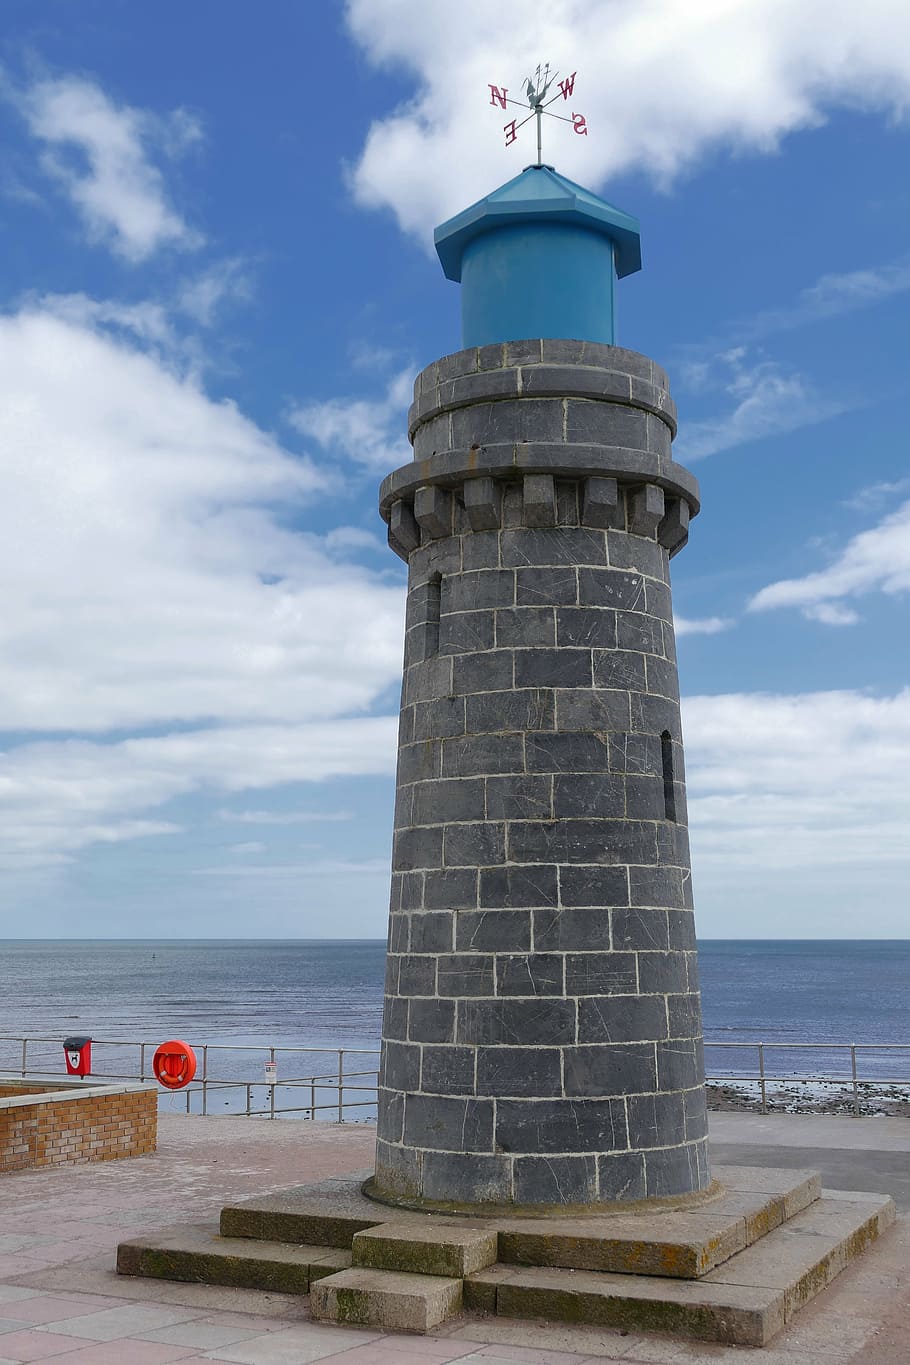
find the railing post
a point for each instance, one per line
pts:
(205, 1078)
(855, 1086)
(341, 1085)
(249, 1088)
(313, 1100)
(142, 1061)
(24, 1056)
(761, 1074)
(272, 1097)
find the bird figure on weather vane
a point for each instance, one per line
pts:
(536, 89)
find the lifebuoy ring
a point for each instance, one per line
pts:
(174, 1064)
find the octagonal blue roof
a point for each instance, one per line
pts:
(539, 194)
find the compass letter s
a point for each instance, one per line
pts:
(567, 87)
(580, 124)
(498, 96)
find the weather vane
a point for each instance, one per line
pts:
(536, 89)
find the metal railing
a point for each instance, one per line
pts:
(343, 1082)
(858, 1086)
(331, 1089)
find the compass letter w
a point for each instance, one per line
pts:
(567, 87)
(498, 96)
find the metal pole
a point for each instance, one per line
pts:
(313, 1100)
(539, 114)
(855, 1086)
(248, 1097)
(341, 1085)
(272, 1086)
(761, 1073)
(142, 1061)
(205, 1077)
(24, 1055)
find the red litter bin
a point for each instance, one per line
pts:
(78, 1053)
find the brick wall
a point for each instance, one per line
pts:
(93, 1127)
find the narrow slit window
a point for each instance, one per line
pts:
(434, 598)
(666, 754)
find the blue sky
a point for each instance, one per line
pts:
(216, 285)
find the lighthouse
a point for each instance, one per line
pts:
(542, 1041)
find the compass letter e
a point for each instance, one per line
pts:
(511, 132)
(498, 96)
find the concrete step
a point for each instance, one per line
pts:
(684, 1243)
(198, 1253)
(327, 1213)
(440, 1248)
(385, 1298)
(743, 1302)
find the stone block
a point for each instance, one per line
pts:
(400, 1068)
(519, 709)
(533, 974)
(621, 1177)
(561, 546)
(461, 798)
(603, 505)
(594, 886)
(673, 530)
(483, 671)
(626, 1069)
(404, 533)
(469, 1177)
(556, 1180)
(553, 668)
(431, 1021)
(615, 588)
(560, 930)
(196, 1254)
(520, 795)
(539, 1127)
(444, 1071)
(438, 719)
(436, 1248)
(517, 887)
(538, 500)
(416, 975)
(482, 754)
(546, 586)
(480, 844)
(614, 1018)
(483, 504)
(645, 510)
(637, 552)
(585, 627)
(432, 932)
(679, 1064)
(452, 888)
(464, 632)
(639, 929)
(620, 670)
(662, 973)
(592, 794)
(389, 1299)
(567, 751)
(525, 627)
(461, 975)
(639, 632)
(663, 679)
(433, 510)
(448, 1124)
(492, 1023)
(513, 1072)
(476, 589)
(480, 550)
(493, 930)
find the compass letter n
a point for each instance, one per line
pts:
(567, 87)
(580, 124)
(498, 96)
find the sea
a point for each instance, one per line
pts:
(238, 999)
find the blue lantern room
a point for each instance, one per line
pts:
(539, 257)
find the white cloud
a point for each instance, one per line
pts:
(765, 401)
(327, 867)
(877, 560)
(251, 846)
(367, 432)
(284, 817)
(815, 781)
(57, 796)
(148, 572)
(99, 153)
(202, 297)
(662, 85)
(703, 625)
(833, 295)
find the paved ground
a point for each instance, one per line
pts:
(60, 1300)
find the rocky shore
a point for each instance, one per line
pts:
(810, 1097)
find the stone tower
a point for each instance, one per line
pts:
(542, 1028)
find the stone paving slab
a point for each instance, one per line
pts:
(385, 1298)
(199, 1254)
(448, 1249)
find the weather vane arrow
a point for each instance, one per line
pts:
(536, 89)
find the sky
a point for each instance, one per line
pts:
(216, 285)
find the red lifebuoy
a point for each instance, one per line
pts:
(174, 1064)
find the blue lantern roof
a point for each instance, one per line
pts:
(540, 195)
